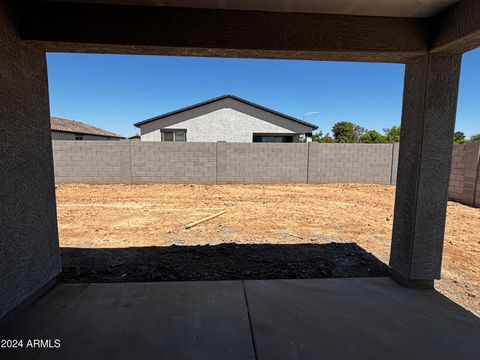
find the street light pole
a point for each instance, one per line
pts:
(307, 138)
(310, 113)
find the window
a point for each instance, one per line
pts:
(272, 139)
(180, 136)
(174, 135)
(78, 137)
(167, 136)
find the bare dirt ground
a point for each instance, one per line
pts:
(123, 216)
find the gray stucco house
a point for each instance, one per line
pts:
(225, 118)
(64, 129)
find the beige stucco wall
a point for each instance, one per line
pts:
(29, 252)
(225, 120)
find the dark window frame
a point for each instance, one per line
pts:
(174, 134)
(258, 138)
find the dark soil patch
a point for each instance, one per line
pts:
(219, 262)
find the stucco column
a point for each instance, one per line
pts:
(29, 253)
(428, 122)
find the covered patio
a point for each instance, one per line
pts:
(264, 319)
(260, 319)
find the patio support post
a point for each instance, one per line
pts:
(29, 252)
(428, 122)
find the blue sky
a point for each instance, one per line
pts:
(114, 91)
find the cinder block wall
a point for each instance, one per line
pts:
(162, 162)
(464, 177)
(395, 149)
(360, 163)
(477, 198)
(209, 163)
(141, 162)
(90, 161)
(261, 163)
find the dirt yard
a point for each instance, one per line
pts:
(123, 216)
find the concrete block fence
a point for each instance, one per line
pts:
(159, 162)
(261, 163)
(465, 174)
(358, 163)
(139, 162)
(91, 161)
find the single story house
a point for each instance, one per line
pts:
(225, 118)
(63, 129)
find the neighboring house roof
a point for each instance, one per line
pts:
(228, 96)
(78, 127)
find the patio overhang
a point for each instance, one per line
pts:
(216, 32)
(457, 29)
(133, 27)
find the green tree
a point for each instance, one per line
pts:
(459, 137)
(344, 132)
(327, 139)
(320, 138)
(392, 134)
(359, 132)
(317, 136)
(474, 138)
(373, 137)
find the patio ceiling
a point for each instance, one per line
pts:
(394, 31)
(400, 8)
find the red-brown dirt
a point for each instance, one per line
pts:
(122, 216)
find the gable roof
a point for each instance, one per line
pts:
(78, 127)
(227, 96)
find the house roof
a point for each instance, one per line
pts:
(227, 96)
(78, 127)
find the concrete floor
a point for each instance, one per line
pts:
(354, 318)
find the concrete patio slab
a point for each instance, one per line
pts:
(361, 318)
(183, 320)
(355, 318)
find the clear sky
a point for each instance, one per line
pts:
(114, 91)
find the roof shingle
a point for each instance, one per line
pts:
(78, 127)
